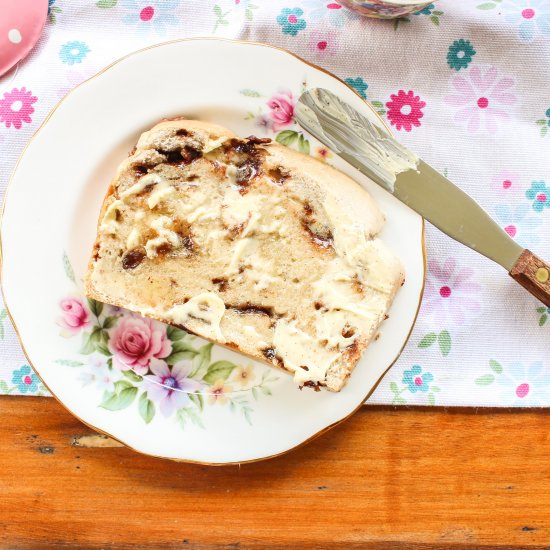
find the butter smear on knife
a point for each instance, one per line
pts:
(353, 136)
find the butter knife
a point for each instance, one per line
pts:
(376, 154)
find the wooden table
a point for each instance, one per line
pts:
(387, 478)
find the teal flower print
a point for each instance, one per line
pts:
(290, 21)
(544, 123)
(359, 85)
(73, 52)
(426, 11)
(460, 54)
(539, 193)
(416, 380)
(25, 380)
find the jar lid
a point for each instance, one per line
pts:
(21, 24)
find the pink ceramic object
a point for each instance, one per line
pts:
(21, 24)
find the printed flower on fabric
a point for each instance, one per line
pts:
(290, 21)
(25, 380)
(451, 295)
(323, 43)
(460, 54)
(507, 184)
(482, 99)
(416, 380)
(73, 52)
(539, 193)
(170, 388)
(332, 13)
(405, 110)
(531, 17)
(525, 385)
(99, 375)
(359, 85)
(518, 223)
(426, 11)
(73, 77)
(16, 107)
(150, 16)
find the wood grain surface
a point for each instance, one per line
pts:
(533, 274)
(386, 479)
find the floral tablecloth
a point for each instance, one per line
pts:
(465, 84)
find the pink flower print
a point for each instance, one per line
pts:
(170, 388)
(16, 107)
(135, 341)
(323, 43)
(75, 317)
(451, 297)
(525, 385)
(482, 98)
(507, 184)
(282, 109)
(405, 110)
(73, 78)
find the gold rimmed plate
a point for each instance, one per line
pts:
(243, 410)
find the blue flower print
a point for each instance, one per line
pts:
(73, 52)
(150, 16)
(539, 193)
(332, 12)
(290, 21)
(460, 54)
(359, 85)
(25, 380)
(416, 380)
(426, 11)
(530, 16)
(517, 222)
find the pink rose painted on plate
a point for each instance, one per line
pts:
(451, 296)
(75, 316)
(482, 99)
(281, 107)
(135, 341)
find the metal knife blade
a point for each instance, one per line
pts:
(371, 150)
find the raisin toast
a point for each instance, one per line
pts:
(249, 244)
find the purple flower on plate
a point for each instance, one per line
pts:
(170, 388)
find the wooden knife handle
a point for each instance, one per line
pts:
(534, 275)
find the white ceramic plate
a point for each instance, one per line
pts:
(248, 411)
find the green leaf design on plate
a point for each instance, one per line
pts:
(122, 385)
(110, 322)
(444, 340)
(68, 267)
(113, 401)
(428, 340)
(303, 144)
(287, 137)
(106, 3)
(197, 399)
(181, 349)
(189, 414)
(175, 333)
(495, 366)
(69, 363)
(95, 307)
(131, 375)
(220, 370)
(201, 361)
(146, 408)
(485, 380)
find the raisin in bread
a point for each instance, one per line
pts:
(249, 244)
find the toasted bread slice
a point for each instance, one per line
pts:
(249, 244)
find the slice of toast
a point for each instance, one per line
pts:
(249, 244)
